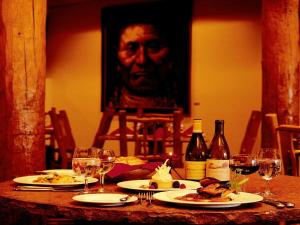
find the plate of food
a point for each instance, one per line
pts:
(150, 185)
(161, 180)
(105, 199)
(53, 180)
(211, 194)
(193, 199)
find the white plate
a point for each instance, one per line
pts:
(136, 185)
(104, 199)
(238, 199)
(69, 172)
(29, 181)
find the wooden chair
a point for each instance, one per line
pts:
(152, 135)
(101, 135)
(49, 131)
(251, 132)
(287, 139)
(63, 136)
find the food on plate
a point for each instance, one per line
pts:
(162, 177)
(211, 190)
(130, 160)
(208, 180)
(56, 179)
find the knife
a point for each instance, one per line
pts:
(42, 188)
(277, 204)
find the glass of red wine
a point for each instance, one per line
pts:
(242, 165)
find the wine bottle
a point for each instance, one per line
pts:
(217, 165)
(195, 156)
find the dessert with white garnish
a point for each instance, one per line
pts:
(162, 177)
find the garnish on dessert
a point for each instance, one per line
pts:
(162, 179)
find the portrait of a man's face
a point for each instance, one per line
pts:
(142, 54)
(145, 57)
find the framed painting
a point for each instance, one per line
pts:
(146, 56)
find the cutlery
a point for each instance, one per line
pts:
(141, 197)
(278, 205)
(149, 197)
(41, 188)
(124, 199)
(287, 204)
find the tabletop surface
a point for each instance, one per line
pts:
(60, 204)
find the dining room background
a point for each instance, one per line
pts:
(225, 65)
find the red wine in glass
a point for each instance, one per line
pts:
(244, 169)
(244, 164)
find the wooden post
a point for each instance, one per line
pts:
(280, 63)
(22, 87)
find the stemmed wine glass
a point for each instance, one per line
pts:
(269, 166)
(85, 162)
(107, 160)
(243, 165)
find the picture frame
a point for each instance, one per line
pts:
(170, 85)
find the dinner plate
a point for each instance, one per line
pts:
(138, 185)
(29, 180)
(69, 172)
(104, 199)
(237, 199)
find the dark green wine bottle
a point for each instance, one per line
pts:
(196, 152)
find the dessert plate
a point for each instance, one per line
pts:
(142, 185)
(29, 180)
(104, 199)
(237, 199)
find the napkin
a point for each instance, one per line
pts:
(122, 169)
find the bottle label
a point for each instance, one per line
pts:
(194, 170)
(218, 169)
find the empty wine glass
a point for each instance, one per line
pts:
(243, 165)
(107, 160)
(269, 166)
(85, 163)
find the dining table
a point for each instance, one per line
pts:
(40, 207)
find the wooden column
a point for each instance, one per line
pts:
(280, 62)
(22, 86)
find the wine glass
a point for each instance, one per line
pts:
(243, 165)
(269, 166)
(107, 160)
(85, 163)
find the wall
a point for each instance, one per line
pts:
(225, 65)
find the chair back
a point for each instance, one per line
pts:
(105, 122)
(251, 132)
(285, 137)
(63, 135)
(152, 134)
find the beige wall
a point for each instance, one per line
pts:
(225, 66)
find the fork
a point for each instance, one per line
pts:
(149, 197)
(141, 196)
